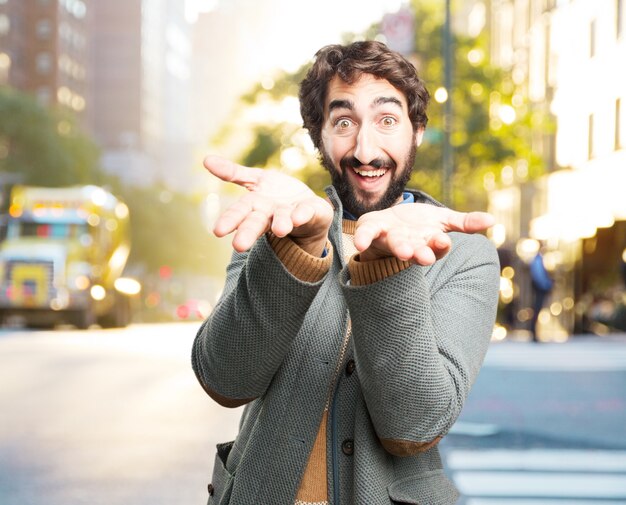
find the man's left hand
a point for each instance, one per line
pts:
(415, 232)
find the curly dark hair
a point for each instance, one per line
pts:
(349, 62)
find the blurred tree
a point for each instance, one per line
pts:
(266, 143)
(494, 125)
(44, 146)
(168, 228)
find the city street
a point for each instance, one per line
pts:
(111, 417)
(116, 417)
(544, 424)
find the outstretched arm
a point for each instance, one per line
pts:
(423, 304)
(420, 337)
(244, 341)
(274, 202)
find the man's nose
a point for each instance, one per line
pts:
(366, 148)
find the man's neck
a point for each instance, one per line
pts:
(405, 197)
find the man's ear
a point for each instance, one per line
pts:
(419, 136)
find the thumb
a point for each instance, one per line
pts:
(478, 221)
(468, 222)
(228, 171)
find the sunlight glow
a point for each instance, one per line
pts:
(441, 95)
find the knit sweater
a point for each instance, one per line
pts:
(313, 488)
(275, 342)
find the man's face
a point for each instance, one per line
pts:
(368, 143)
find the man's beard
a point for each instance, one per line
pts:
(345, 189)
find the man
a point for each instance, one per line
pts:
(351, 327)
(542, 285)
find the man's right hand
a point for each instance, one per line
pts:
(274, 201)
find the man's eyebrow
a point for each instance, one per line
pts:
(340, 104)
(381, 100)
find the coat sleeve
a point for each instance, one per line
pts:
(241, 345)
(420, 337)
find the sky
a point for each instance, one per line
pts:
(266, 36)
(306, 26)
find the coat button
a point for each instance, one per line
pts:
(348, 447)
(210, 489)
(350, 366)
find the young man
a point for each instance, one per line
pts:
(351, 327)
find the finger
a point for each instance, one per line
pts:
(313, 209)
(468, 222)
(282, 223)
(302, 213)
(253, 226)
(231, 218)
(232, 172)
(366, 232)
(424, 255)
(440, 244)
(479, 221)
(400, 244)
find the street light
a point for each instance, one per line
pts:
(447, 115)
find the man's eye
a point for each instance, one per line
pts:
(388, 121)
(343, 123)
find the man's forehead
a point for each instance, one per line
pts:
(372, 90)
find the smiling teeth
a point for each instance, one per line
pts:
(371, 173)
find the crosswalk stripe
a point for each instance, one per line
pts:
(474, 429)
(527, 484)
(538, 460)
(538, 476)
(564, 357)
(533, 501)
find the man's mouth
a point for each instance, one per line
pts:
(379, 172)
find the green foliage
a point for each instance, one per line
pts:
(482, 143)
(284, 84)
(44, 146)
(266, 143)
(168, 228)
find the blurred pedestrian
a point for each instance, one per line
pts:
(623, 266)
(542, 285)
(352, 327)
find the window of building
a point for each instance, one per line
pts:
(590, 146)
(77, 8)
(5, 24)
(43, 63)
(618, 124)
(44, 29)
(592, 39)
(44, 95)
(5, 66)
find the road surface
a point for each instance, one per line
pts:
(105, 417)
(116, 417)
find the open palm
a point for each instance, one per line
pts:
(275, 201)
(414, 232)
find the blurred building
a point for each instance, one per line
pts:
(123, 66)
(141, 80)
(566, 58)
(45, 50)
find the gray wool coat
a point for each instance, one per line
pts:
(417, 342)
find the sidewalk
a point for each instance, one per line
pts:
(523, 337)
